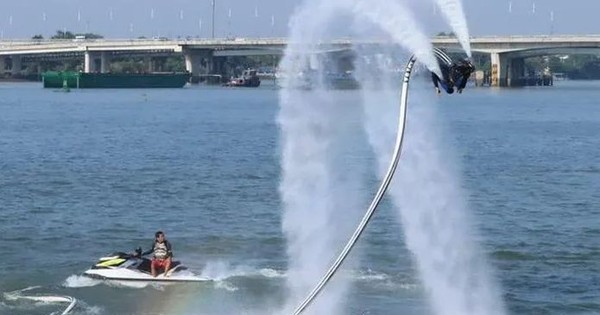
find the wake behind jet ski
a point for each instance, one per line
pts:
(454, 74)
(127, 267)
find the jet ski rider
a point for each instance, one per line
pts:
(162, 254)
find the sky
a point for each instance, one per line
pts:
(269, 18)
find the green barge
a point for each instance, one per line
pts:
(80, 80)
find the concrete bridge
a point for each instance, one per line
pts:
(204, 56)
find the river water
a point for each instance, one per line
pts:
(86, 173)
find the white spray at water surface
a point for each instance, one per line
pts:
(455, 15)
(431, 208)
(307, 174)
(315, 190)
(314, 187)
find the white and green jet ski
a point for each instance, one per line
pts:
(126, 267)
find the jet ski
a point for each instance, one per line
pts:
(126, 267)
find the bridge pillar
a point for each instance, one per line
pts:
(149, 64)
(500, 69)
(16, 65)
(314, 61)
(157, 64)
(89, 63)
(2, 66)
(211, 63)
(516, 72)
(104, 62)
(218, 66)
(192, 63)
(198, 62)
(160, 64)
(33, 68)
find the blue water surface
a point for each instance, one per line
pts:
(89, 172)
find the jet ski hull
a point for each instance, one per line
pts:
(125, 267)
(131, 275)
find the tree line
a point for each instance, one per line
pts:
(68, 35)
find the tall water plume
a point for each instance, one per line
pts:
(426, 193)
(320, 193)
(317, 192)
(455, 15)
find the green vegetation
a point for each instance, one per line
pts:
(175, 64)
(140, 65)
(585, 67)
(68, 35)
(577, 67)
(61, 65)
(240, 63)
(450, 34)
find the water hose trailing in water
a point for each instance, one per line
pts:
(18, 295)
(378, 196)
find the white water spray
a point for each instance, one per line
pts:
(431, 206)
(320, 196)
(50, 299)
(398, 22)
(315, 190)
(432, 209)
(320, 202)
(455, 15)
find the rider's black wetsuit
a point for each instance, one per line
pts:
(461, 73)
(454, 76)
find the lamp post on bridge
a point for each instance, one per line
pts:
(213, 18)
(551, 22)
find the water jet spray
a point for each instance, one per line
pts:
(445, 61)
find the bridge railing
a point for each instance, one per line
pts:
(141, 40)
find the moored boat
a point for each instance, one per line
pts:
(72, 79)
(249, 78)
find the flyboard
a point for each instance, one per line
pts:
(442, 57)
(18, 295)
